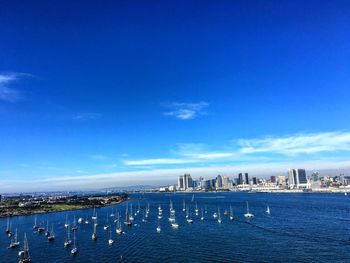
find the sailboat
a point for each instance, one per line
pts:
(196, 210)
(172, 210)
(131, 218)
(7, 230)
(47, 233)
(24, 254)
(94, 234)
(138, 208)
(345, 193)
(106, 226)
(68, 242)
(127, 218)
(94, 216)
(183, 206)
(268, 210)
(80, 220)
(40, 229)
(110, 240)
(202, 217)
(215, 215)
(35, 226)
(192, 198)
(112, 214)
(248, 215)
(74, 250)
(14, 241)
(173, 223)
(160, 210)
(51, 235)
(219, 216)
(189, 219)
(231, 214)
(119, 229)
(225, 213)
(74, 227)
(143, 217)
(66, 225)
(158, 227)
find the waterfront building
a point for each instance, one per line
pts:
(240, 179)
(273, 179)
(246, 178)
(255, 182)
(297, 179)
(218, 183)
(180, 182)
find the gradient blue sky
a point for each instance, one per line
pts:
(121, 92)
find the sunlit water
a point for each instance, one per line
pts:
(300, 228)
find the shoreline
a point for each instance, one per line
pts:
(40, 212)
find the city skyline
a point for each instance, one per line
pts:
(144, 92)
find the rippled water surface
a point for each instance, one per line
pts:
(300, 228)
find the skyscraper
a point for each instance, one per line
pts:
(180, 182)
(240, 178)
(218, 181)
(297, 178)
(246, 178)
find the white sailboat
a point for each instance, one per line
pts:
(248, 214)
(47, 232)
(196, 210)
(94, 233)
(106, 226)
(183, 206)
(131, 218)
(127, 218)
(219, 216)
(202, 217)
(189, 219)
(35, 226)
(173, 222)
(119, 229)
(74, 227)
(231, 214)
(158, 227)
(110, 240)
(268, 210)
(14, 242)
(68, 242)
(94, 216)
(7, 230)
(74, 250)
(24, 254)
(51, 236)
(66, 225)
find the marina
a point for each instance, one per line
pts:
(295, 228)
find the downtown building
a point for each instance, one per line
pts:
(185, 182)
(297, 179)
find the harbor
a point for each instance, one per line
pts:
(201, 227)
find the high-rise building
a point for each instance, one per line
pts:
(255, 182)
(246, 178)
(185, 182)
(225, 182)
(297, 178)
(273, 179)
(240, 178)
(218, 183)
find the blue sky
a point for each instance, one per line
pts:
(125, 92)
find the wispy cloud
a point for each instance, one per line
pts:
(7, 93)
(86, 116)
(97, 156)
(166, 176)
(306, 143)
(256, 150)
(185, 111)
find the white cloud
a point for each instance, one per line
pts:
(98, 157)
(86, 116)
(306, 143)
(6, 93)
(167, 176)
(158, 161)
(185, 111)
